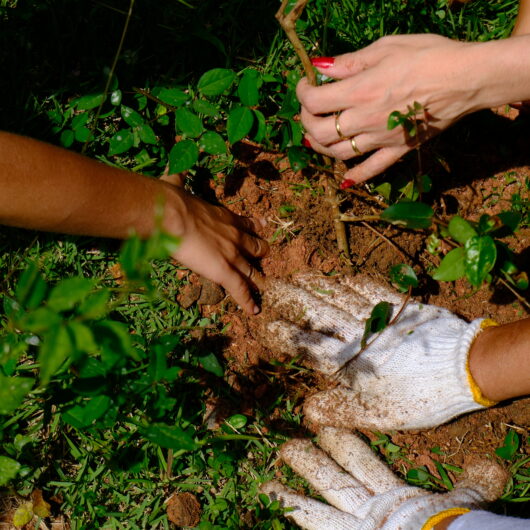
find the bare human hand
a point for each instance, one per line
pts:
(217, 244)
(384, 77)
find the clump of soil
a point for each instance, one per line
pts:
(475, 168)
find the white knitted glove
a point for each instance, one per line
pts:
(414, 374)
(363, 492)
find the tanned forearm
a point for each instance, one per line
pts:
(47, 188)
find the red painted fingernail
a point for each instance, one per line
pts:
(306, 143)
(323, 62)
(345, 184)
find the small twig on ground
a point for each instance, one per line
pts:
(386, 239)
(169, 466)
(521, 299)
(288, 23)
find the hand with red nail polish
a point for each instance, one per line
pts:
(448, 78)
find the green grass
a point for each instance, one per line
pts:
(110, 473)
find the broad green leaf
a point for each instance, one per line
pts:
(480, 257)
(82, 336)
(12, 392)
(403, 277)
(95, 305)
(79, 120)
(81, 416)
(8, 469)
(261, 129)
(83, 134)
(409, 214)
(90, 101)
(172, 96)
(377, 321)
(131, 117)
(240, 121)
(248, 88)
(115, 341)
(67, 138)
(452, 266)
(290, 105)
(39, 320)
(203, 106)
(147, 135)
(212, 143)
(298, 158)
(216, 81)
(183, 156)
(121, 142)
(56, 347)
(188, 122)
(210, 363)
(67, 293)
(170, 437)
(460, 229)
(116, 97)
(31, 287)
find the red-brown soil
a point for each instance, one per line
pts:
(475, 168)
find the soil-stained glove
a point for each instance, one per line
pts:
(363, 492)
(414, 375)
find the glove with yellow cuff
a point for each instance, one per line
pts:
(363, 494)
(413, 375)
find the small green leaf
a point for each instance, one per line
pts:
(237, 421)
(394, 119)
(183, 156)
(261, 129)
(510, 447)
(170, 437)
(67, 293)
(67, 138)
(147, 135)
(188, 122)
(39, 320)
(79, 121)
(511, 220)
(81, 416)
(452, 266)
(480, 257)
(131, 117)
(248, 89)
(409, 214)
(31, 287)
(82, 336)
(521, 281)
(460, 229)
(212, 143)
(403, 277)
(83, 134)
(210, 363)
(377, 321)
(216, 81)
(172, 96)
(121, 142)
(56, 347)
(298, 158)
(203, 106)
(384, 189)
(12, 392)
(88, 102)
(116, 97)
(95, 305)
(8, 469)
(290, 105)
(240, 121)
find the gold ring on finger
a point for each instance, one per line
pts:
(356, 150)
(337, 126)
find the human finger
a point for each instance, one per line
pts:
(374, 165)
(327, 130)
(250, 274)
(305, 309)
(343, 150)
(321, 352)
(308, 513)
(175, 179)
(326, 99)
(354, 455)
(239, 288)
(340, 489)
(249, 224)
(252, 246)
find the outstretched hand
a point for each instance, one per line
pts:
(386, 76)
(413, 375)
(217, 244)
(364, 494)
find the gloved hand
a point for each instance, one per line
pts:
(414, 375)
(363, 492)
